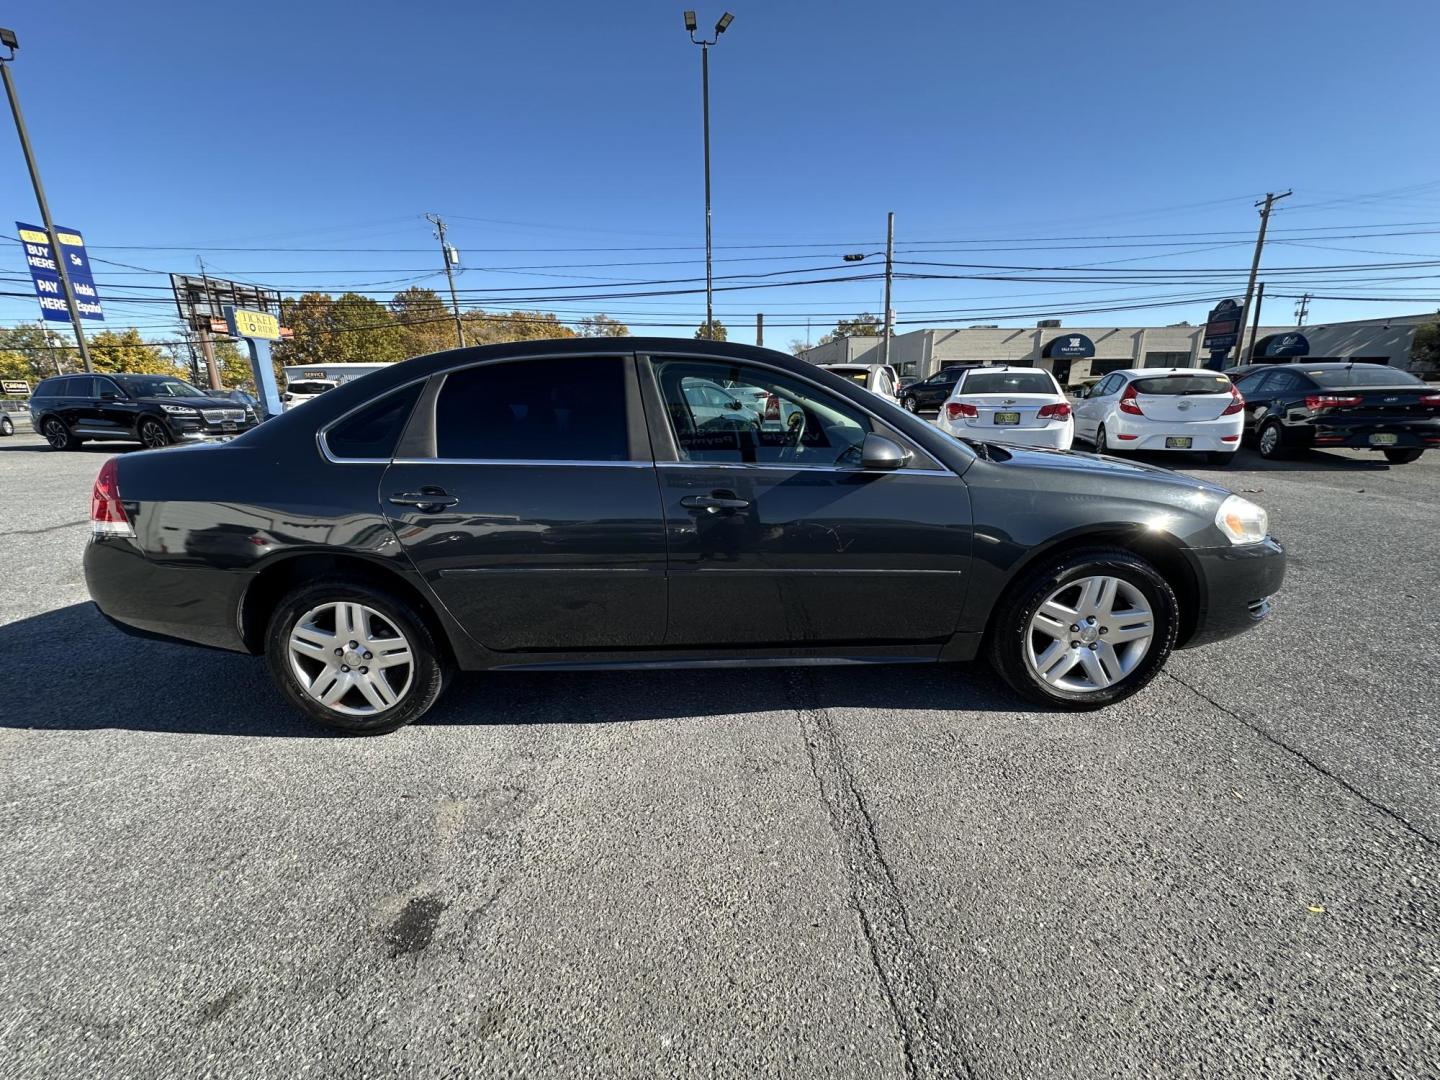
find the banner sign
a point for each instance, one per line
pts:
(46, 277)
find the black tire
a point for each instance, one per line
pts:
(1403, 455)
(1100, 439)
(429, 664)
(57, 434)
(1005, 643)
(1270, 440)
(153, 434)
(7, 427)
(1220, 458)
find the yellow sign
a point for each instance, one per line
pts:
(254, 324)
(33, 236)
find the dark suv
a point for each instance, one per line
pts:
(929, 394)
(153, 410)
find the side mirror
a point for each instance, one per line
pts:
(883, 454)
(109, 395)
(1083, 391)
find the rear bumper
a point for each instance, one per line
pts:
(1416, 434)
(1051, 437)
(1237, 587)
(194, 604)
(1221, 435)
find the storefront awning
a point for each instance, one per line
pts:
(1069, 347)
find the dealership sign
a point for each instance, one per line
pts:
(1222, 326)
(1287, 345)
(46, 277)
(1069, 347)
(14, 388)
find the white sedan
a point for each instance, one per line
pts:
(1021, 405)
(1185, 409)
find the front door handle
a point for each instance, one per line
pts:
(717, 501)
(428, 498)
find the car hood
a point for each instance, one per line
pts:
(1080, 468)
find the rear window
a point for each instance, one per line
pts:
(1183, 385)
(1008, 382)
(1362, 375)
(374, 430)
(859, 375)
(309, 387)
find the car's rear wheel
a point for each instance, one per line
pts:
(1085, 631)
(6, 426)
(1403, 455)
(1271, 440)
(353, 657)
(153, 435)
(1102, 442)
(58, 435)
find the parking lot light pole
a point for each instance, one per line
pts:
(11, 44)
(720, 27)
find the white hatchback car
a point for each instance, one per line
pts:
(1186, 409)
(1021, 405)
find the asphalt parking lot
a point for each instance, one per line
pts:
(866, 872)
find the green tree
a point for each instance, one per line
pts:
(45, 351)
(345, 329)
(427, 322)
(15, 366)
(127, 352)
(865, 325)
(602, 326)
(483, 328)
(718, 332)
(1425, 349)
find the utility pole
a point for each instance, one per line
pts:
(212, 372)
(9, 41)
(889, 277)
(1302, 309)
(450, 257)
(760, 328)
(1270, 200)
(1255, 325)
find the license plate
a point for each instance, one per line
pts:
(1007, 418)
(1384, 440)
(1177, 442)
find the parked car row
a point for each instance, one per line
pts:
(153, 410)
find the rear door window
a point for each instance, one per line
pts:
(373, 432)
(559, 409)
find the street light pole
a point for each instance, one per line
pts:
(720, 27)
(9, 41)
(889, 276)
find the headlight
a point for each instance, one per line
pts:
(1242, 521)
(180, 410)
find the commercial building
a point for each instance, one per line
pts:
(1075, 354)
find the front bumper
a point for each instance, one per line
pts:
(1236, 588)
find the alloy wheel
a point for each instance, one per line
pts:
(351, 658)
(1089, 634)
(6, 427)
(1269, 440)
(153, 436)
(911, 405)
(56, 435)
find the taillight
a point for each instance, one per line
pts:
(954, 410)
(772, 407)
(1237, 402)
(107, 516)
(1433, 400)
(1058, 411)
(1128, 404)
(1316, 402)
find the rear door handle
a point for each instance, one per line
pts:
(714, 502)
(424, 499)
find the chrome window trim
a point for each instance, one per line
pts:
(782, 466)
(562, 462)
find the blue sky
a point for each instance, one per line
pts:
(564, 138)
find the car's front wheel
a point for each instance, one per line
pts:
(58, 435)
(7, 427)
(1271, 440)
(1403, 455)
(911, 405)
(153, 435)
(353, 657)
(1085, 631)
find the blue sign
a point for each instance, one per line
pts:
(46, 277)
(1069, 347)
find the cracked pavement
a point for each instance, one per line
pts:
(848, 872)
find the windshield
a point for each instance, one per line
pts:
(159, 386)
(310, 387)
(1008, 382)
(1362, 375)
(1183, 385)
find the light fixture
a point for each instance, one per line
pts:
(690, 23)
(8, 39)
(724, 23)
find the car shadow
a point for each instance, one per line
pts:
(40, 446)
(1248, 460)
(140, 684)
